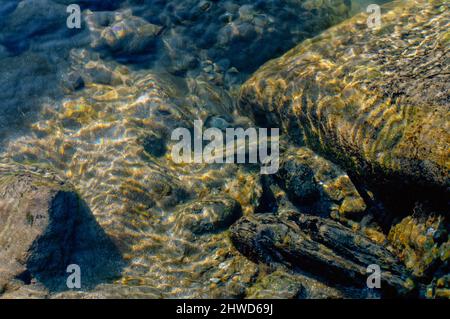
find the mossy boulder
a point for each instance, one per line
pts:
(374, 101)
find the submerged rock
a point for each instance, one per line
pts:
(45, 227)
(320, 247)
(208, 215)
(276, 285)
(37, 223)
(374, 101)
(423, 244)
(112, 140)
(154, 145)
(284, 283)
(319, 186)
(243, 32)
(109, 137)
(121, 32)
(299, 182)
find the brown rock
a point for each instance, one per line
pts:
(374, 101)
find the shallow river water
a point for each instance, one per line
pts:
(97, 105)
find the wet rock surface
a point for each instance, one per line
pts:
(31, 215)
(236, 34)
(358, 96)
(317, 186)
(276, 285)
(123, 33)
(344, 95)
(45, 228)
(208, 215)
(318, 246)
(422, 243)
(283, 283)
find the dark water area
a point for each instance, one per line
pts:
(190, 39)
(92, 109)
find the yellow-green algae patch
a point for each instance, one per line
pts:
(414, 240)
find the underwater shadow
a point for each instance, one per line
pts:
(88, 246)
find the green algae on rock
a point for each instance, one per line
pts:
(374, 101)
(422, 243)
(285, 284)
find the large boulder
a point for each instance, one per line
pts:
(37, 222)
(375, 101)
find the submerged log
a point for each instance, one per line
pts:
(320, 247)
